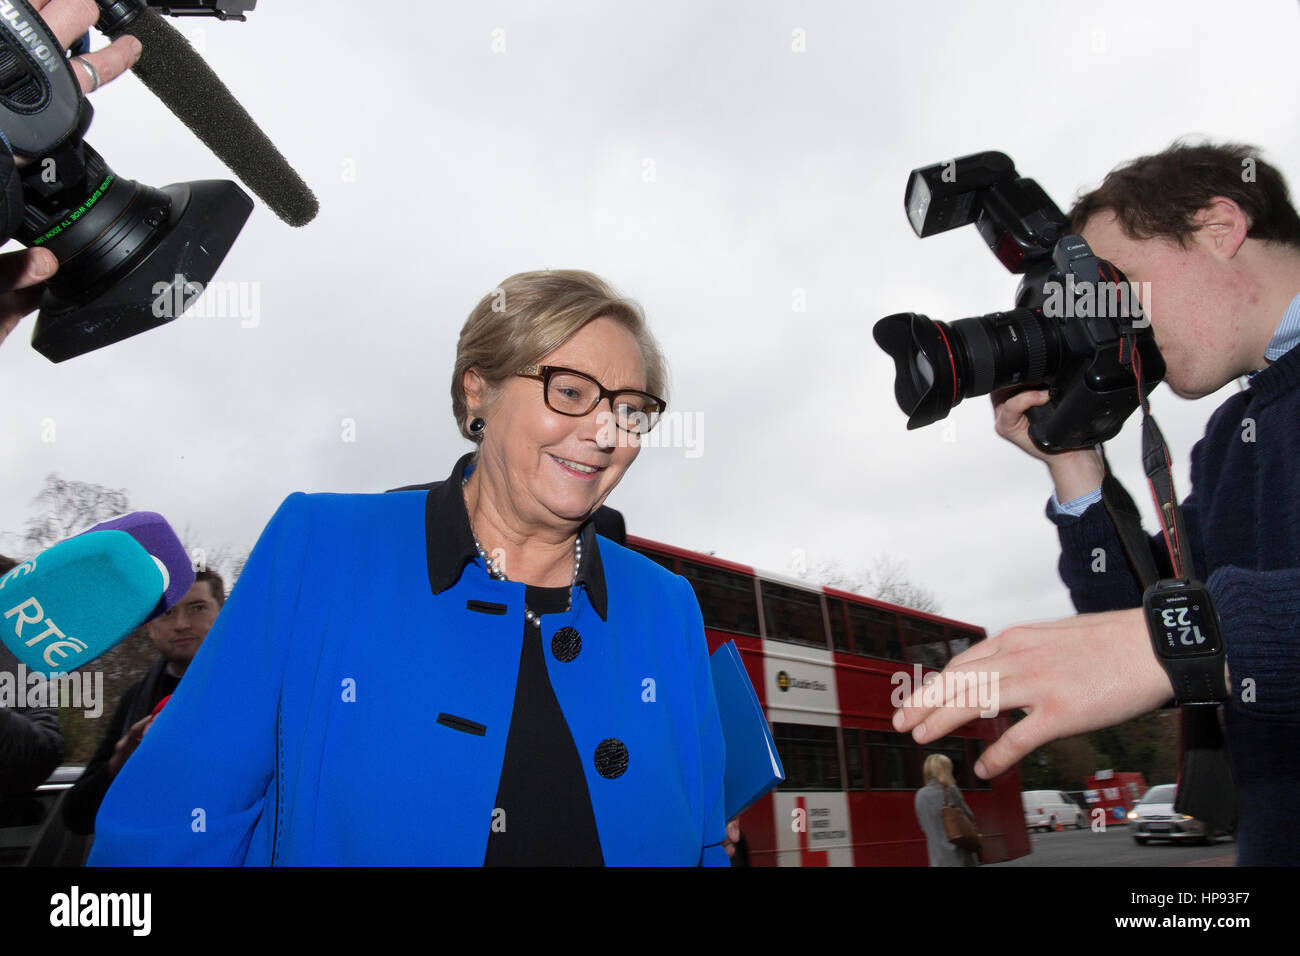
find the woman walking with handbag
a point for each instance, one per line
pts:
(950, 833)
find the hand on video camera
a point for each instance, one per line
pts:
(21, 273)
(70, 19)
(1075, 472)
(1069, 676)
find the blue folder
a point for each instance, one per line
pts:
(753, 766)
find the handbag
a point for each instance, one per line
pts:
(959, 829)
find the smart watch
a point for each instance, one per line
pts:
(1185, 634)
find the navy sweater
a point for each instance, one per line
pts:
(1243, 522)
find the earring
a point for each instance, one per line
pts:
(476, 427)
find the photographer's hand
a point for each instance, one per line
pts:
(1069, 676)
(70, 19)
(1075, 473)
(22, 275)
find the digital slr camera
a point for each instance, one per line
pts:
(1074, 328)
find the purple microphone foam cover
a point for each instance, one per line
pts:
(156, 536)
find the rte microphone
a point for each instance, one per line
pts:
(178, 76)
(76, 600)
(152, 532)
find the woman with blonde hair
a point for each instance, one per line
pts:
(941, 791)
(527, 691)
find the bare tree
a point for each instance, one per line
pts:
(66, 507)
(886, 580)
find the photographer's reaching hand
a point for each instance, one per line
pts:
(1075, 473)
(1069, 676)
(22, 274)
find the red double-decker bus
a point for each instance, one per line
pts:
(825, 663)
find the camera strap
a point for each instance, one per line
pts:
(1128, 523)
(40, 99)
(1205, 788)
(1158, 467)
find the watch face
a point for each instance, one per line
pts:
(1184, 625)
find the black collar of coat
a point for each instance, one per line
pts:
(147, 697)
(449, 541)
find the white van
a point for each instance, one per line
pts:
(1046, 808)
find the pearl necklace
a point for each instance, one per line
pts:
(531, 616)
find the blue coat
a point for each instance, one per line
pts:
(306, 731)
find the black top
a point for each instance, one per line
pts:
(31, 742)
(543, 814)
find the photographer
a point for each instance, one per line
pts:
(1213, 230)
(23, 273)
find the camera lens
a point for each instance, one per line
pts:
(922, 371)
(938, 364)
(118, 242)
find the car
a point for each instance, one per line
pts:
(31, 826)
(1044, 809)
(1154, 818)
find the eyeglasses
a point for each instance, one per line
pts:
(575, 393)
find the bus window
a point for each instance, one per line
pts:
(959, 639)
(726, 598)
(893, 761)
(875, 632)
(925, 643)
(793, 615)
(839, 634)
(853, 759)
(810, 756)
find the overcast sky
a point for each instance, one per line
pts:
(725, 164)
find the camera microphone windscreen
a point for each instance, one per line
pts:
(152, 532)
(74, 601)
(178, 76)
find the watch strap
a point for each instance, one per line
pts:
(1197, 681)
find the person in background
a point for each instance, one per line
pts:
(941, 791)
(31, 741)
(177, 635)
